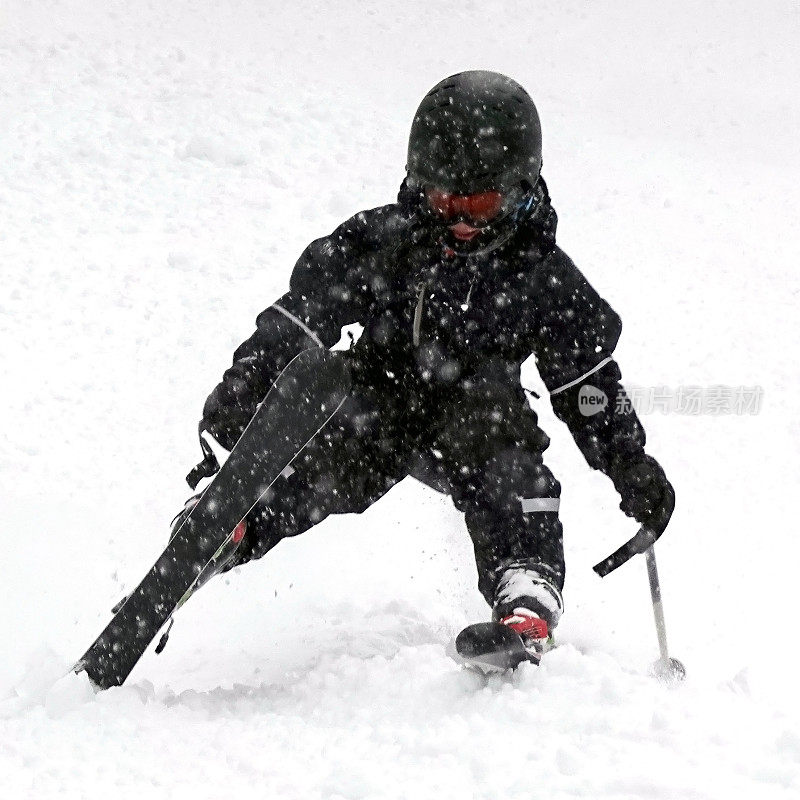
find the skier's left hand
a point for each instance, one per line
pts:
(646, 494)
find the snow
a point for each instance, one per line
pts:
(161, 167)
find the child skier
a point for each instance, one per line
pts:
(455, 285)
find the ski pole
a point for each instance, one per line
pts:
(665, 668)
(658, 606)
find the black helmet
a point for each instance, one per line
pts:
(474, 131)
(477, 132)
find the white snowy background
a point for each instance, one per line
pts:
(162, 165)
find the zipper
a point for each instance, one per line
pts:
(465, 304)
(418, 312)
(421, 306)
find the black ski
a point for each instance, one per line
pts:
(303, 398)
(489, 647)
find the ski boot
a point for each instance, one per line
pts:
(527, 608)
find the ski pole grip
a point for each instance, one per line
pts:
(643, 541)
(646, 537)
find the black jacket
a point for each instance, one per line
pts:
(439, 328)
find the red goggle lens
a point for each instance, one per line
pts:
(481, 207)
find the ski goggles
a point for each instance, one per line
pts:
(480, 208)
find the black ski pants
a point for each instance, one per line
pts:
(480, 443)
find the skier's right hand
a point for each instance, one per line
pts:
(228, 410)
(225, 425)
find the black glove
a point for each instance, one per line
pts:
(226, 426)
(646, 494)
(227, 412)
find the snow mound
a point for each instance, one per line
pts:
(407, 720)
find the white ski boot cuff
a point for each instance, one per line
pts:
(523, 587)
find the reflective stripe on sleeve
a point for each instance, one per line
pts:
(582, 377)
(300, 324)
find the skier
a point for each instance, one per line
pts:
(455, 285)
